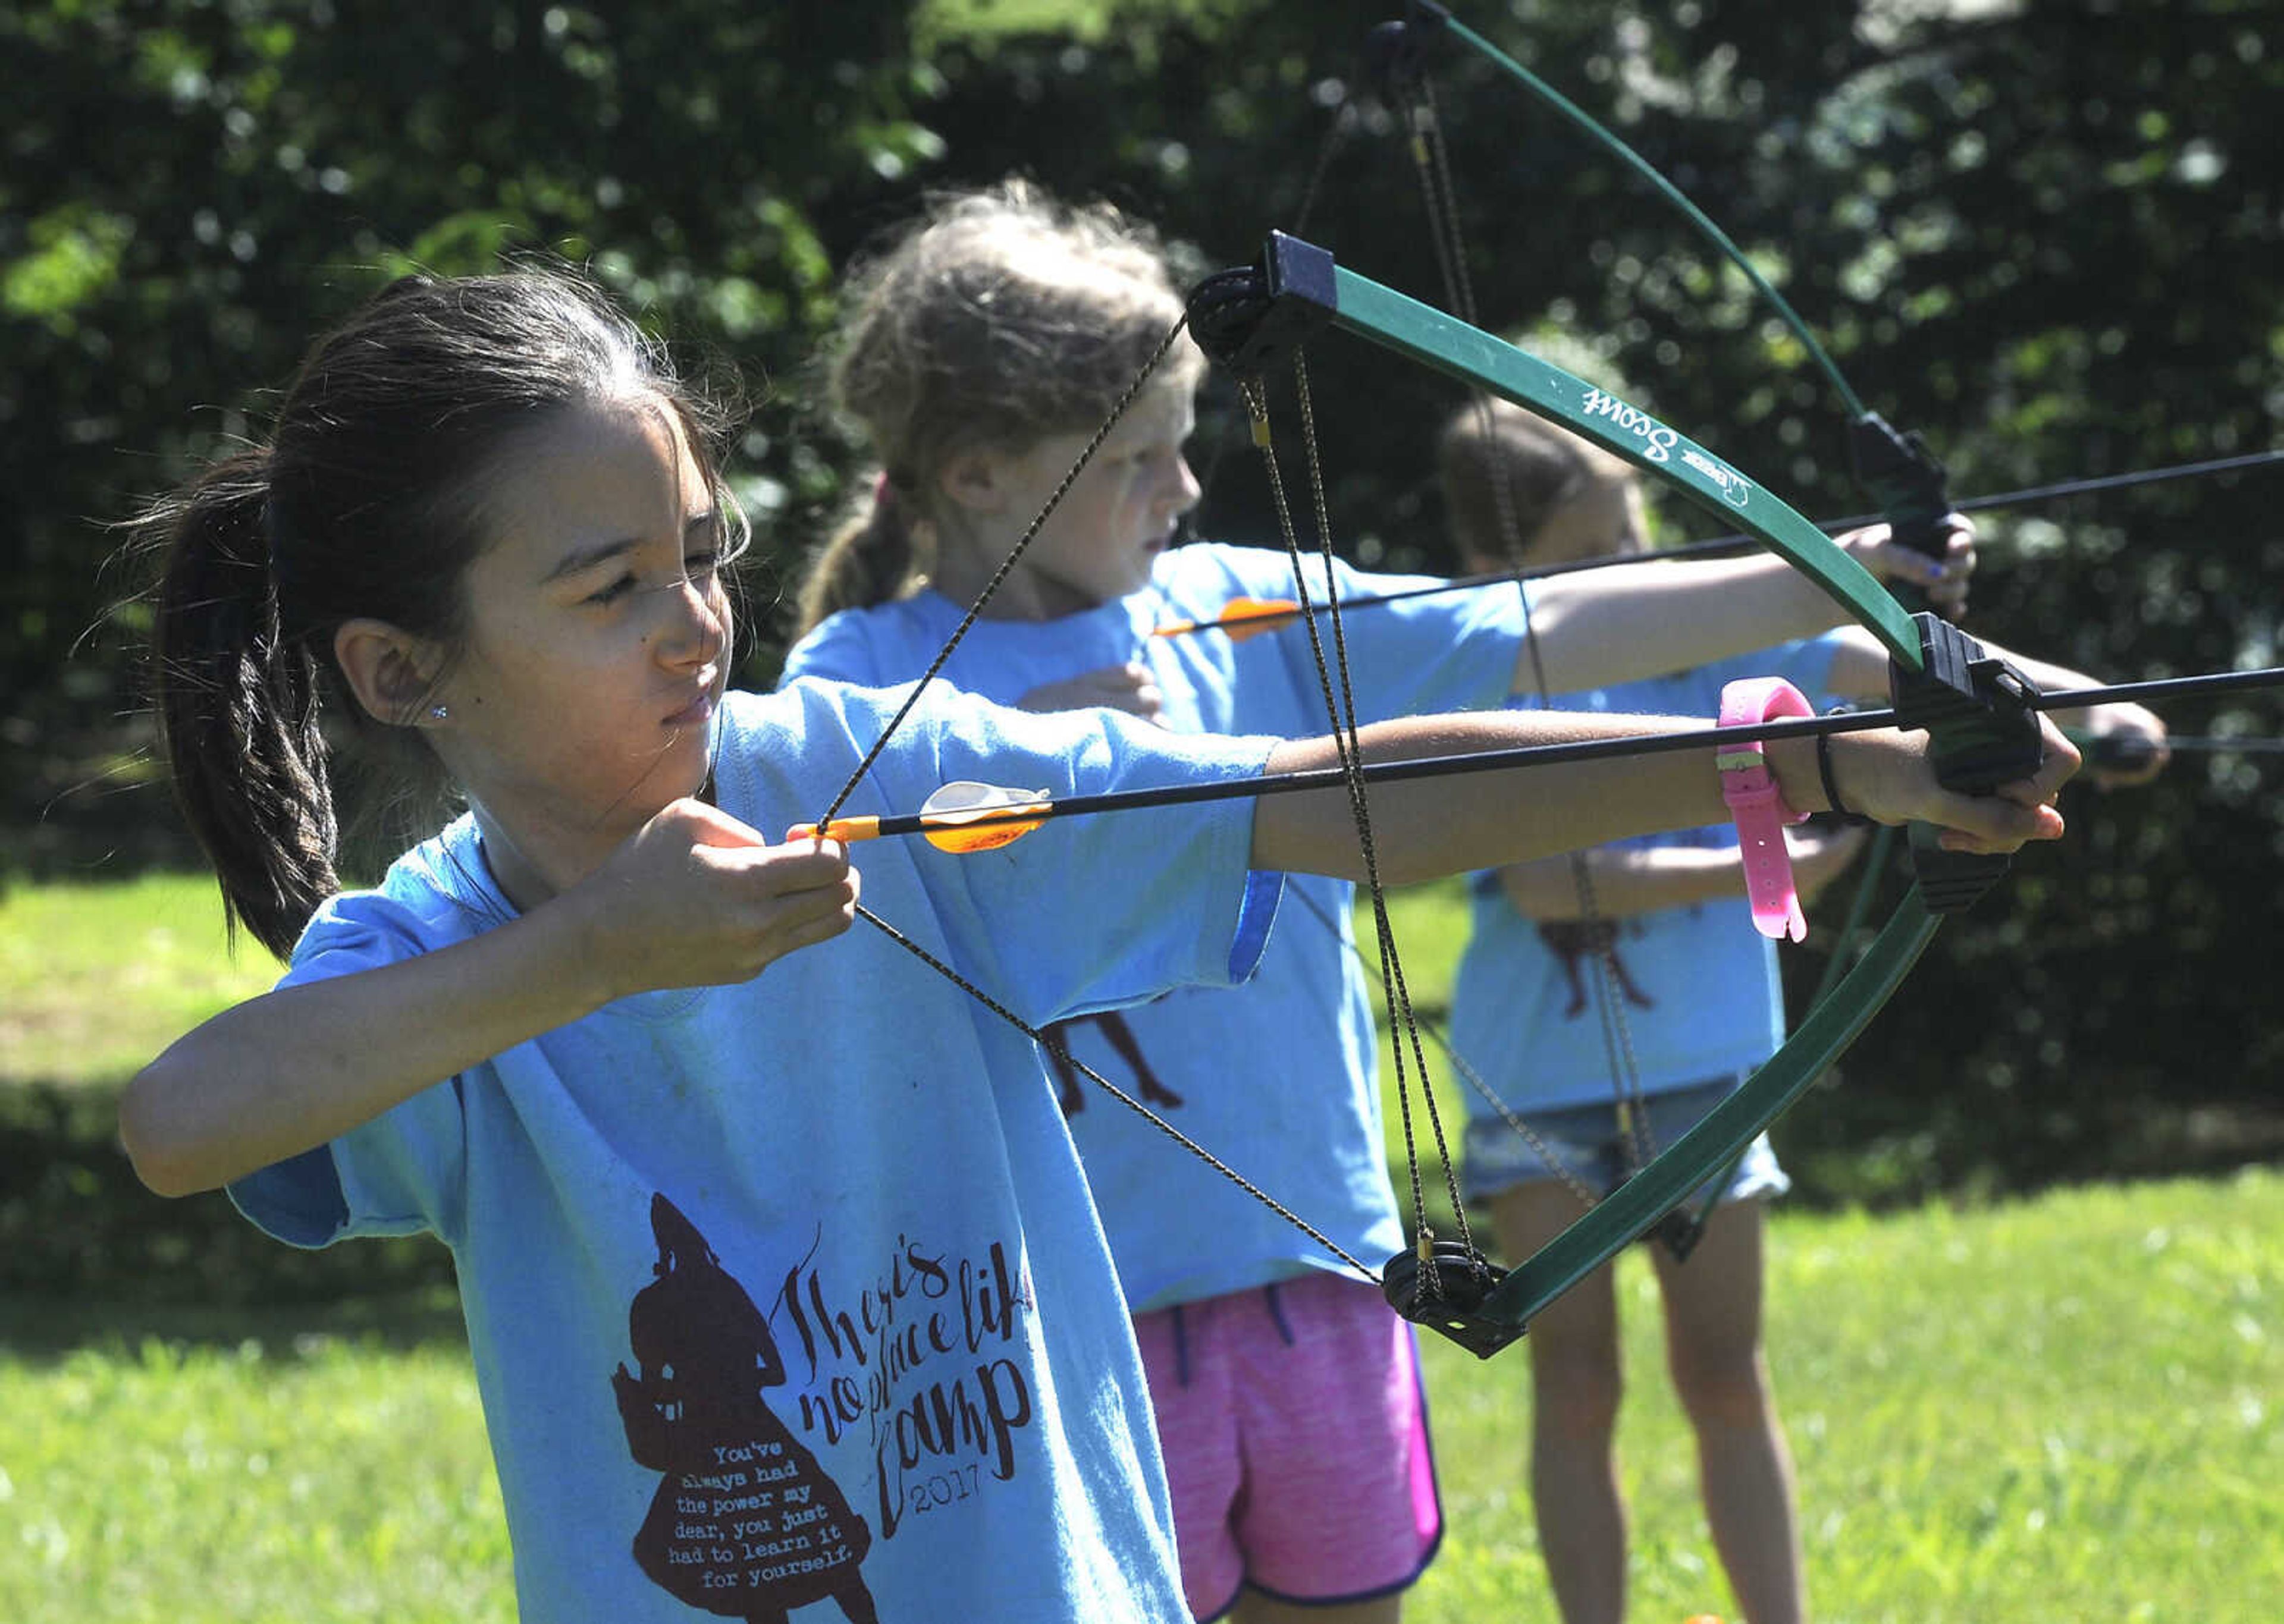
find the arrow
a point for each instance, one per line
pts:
(963, 815)
(967, 816)
(1249, 617)
(2126, 752)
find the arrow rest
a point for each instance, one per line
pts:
(1977, 712)
(1463, 1277)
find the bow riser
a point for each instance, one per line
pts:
(1980, 716)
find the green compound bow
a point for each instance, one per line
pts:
(1973, 707)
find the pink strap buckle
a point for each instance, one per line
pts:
(1760, 810)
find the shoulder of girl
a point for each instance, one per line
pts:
(411, 914)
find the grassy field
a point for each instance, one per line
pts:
(96, 978)
(2058, 1409)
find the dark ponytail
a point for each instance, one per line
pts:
(237, 707)
(367, 502)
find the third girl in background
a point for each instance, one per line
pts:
(1612, 1015)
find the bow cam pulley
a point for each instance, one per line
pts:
(1395, 51)
(1445, 1293)
(1250, 318)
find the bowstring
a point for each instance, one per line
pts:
(1339, 703)
(1008, 566)
(1381, 921)
(1335, 133)
(1431, 162)
(1062, 1050)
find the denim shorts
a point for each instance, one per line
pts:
(1589, 1142)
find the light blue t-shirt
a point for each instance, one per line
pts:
(1706, 1001)
(1277, 1078)
(781, 1289)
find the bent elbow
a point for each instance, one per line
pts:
(160, 1154)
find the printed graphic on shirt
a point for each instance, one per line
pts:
(909, 1363)
(746, 1523)
(912, 1365)
(1573, 941)
(1120, 1037)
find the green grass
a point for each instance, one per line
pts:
(2059, 1410)
(314, 1479)
(95, 979)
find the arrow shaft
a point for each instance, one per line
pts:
(2227, 747)
(1721, 544)
(1497, 761)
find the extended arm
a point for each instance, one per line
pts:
(1425, 828)
(1630, 621)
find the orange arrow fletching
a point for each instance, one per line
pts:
(1241, 618)
(949, 816)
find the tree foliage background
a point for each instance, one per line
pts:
(2043, 233)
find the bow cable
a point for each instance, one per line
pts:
(1431, 163)
(1340, 708)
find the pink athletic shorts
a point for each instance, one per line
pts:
(1296, 1436)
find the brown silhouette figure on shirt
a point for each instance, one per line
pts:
(1054, 1040)
(1573, 941)
(747, 1524)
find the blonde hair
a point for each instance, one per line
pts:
(1506, 472)
(997, 319)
